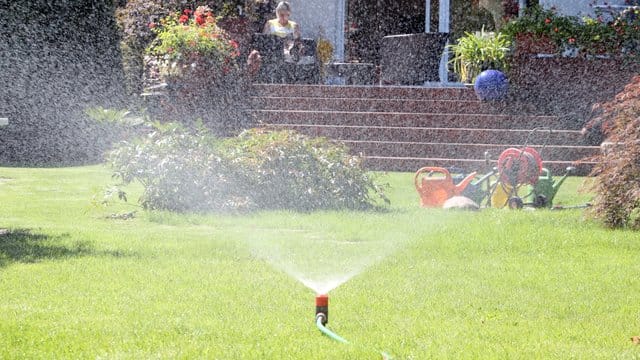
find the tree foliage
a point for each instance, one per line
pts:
(617, 185)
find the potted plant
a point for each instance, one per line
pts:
(198, 61)
(192, 51)
(476, 52)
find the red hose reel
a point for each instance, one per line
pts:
(519, 166)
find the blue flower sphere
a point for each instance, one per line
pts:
(491, 85)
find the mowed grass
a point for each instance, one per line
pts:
(76, 283)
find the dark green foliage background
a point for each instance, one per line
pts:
(57, 58)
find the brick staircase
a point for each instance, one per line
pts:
(405, 128)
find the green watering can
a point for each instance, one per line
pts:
(542, 193)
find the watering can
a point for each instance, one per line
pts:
(435, 190)
(543, 192)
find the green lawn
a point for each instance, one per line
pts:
(75, 283)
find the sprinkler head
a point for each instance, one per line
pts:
(322, 308)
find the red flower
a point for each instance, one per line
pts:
(555, 29)
(187, 12)
(547, 21)
(199, 20)
(183, 19)
(572, 41)
(152, 25)
(233, 43)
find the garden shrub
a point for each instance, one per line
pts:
(591, 36)
(183, 170)
(617, 185)
(180, 170)
(288, 170)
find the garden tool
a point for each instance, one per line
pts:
(545, 189)
(435, 190)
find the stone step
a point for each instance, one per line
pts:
(412, 164)
(373, 105)
(462, 151)
(404, 128)
(376, 92)
(411, 119)
(439, 135)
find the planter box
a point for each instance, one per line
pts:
(352, 73)
(411, 59)
(532, 44)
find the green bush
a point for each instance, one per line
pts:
(617, 184)
(591, 36)
(179, 170)
(288, 170)
(182, 170)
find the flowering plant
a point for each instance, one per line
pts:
(590, 35)
(542, 23)
(627, 27)
(191, 41)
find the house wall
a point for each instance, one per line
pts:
(324, 17)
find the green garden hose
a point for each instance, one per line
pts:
(338, 338)
(329, 333)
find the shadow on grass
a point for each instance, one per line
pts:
(21, 245)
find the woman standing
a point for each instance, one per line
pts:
(282, 26)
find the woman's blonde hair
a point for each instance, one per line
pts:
(283, 6)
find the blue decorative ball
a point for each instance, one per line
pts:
(491, 85)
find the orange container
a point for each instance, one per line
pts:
(435, 185)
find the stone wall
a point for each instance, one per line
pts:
(567, 87)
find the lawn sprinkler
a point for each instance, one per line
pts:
(322, 318)
(435, 190)
(322, 308)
